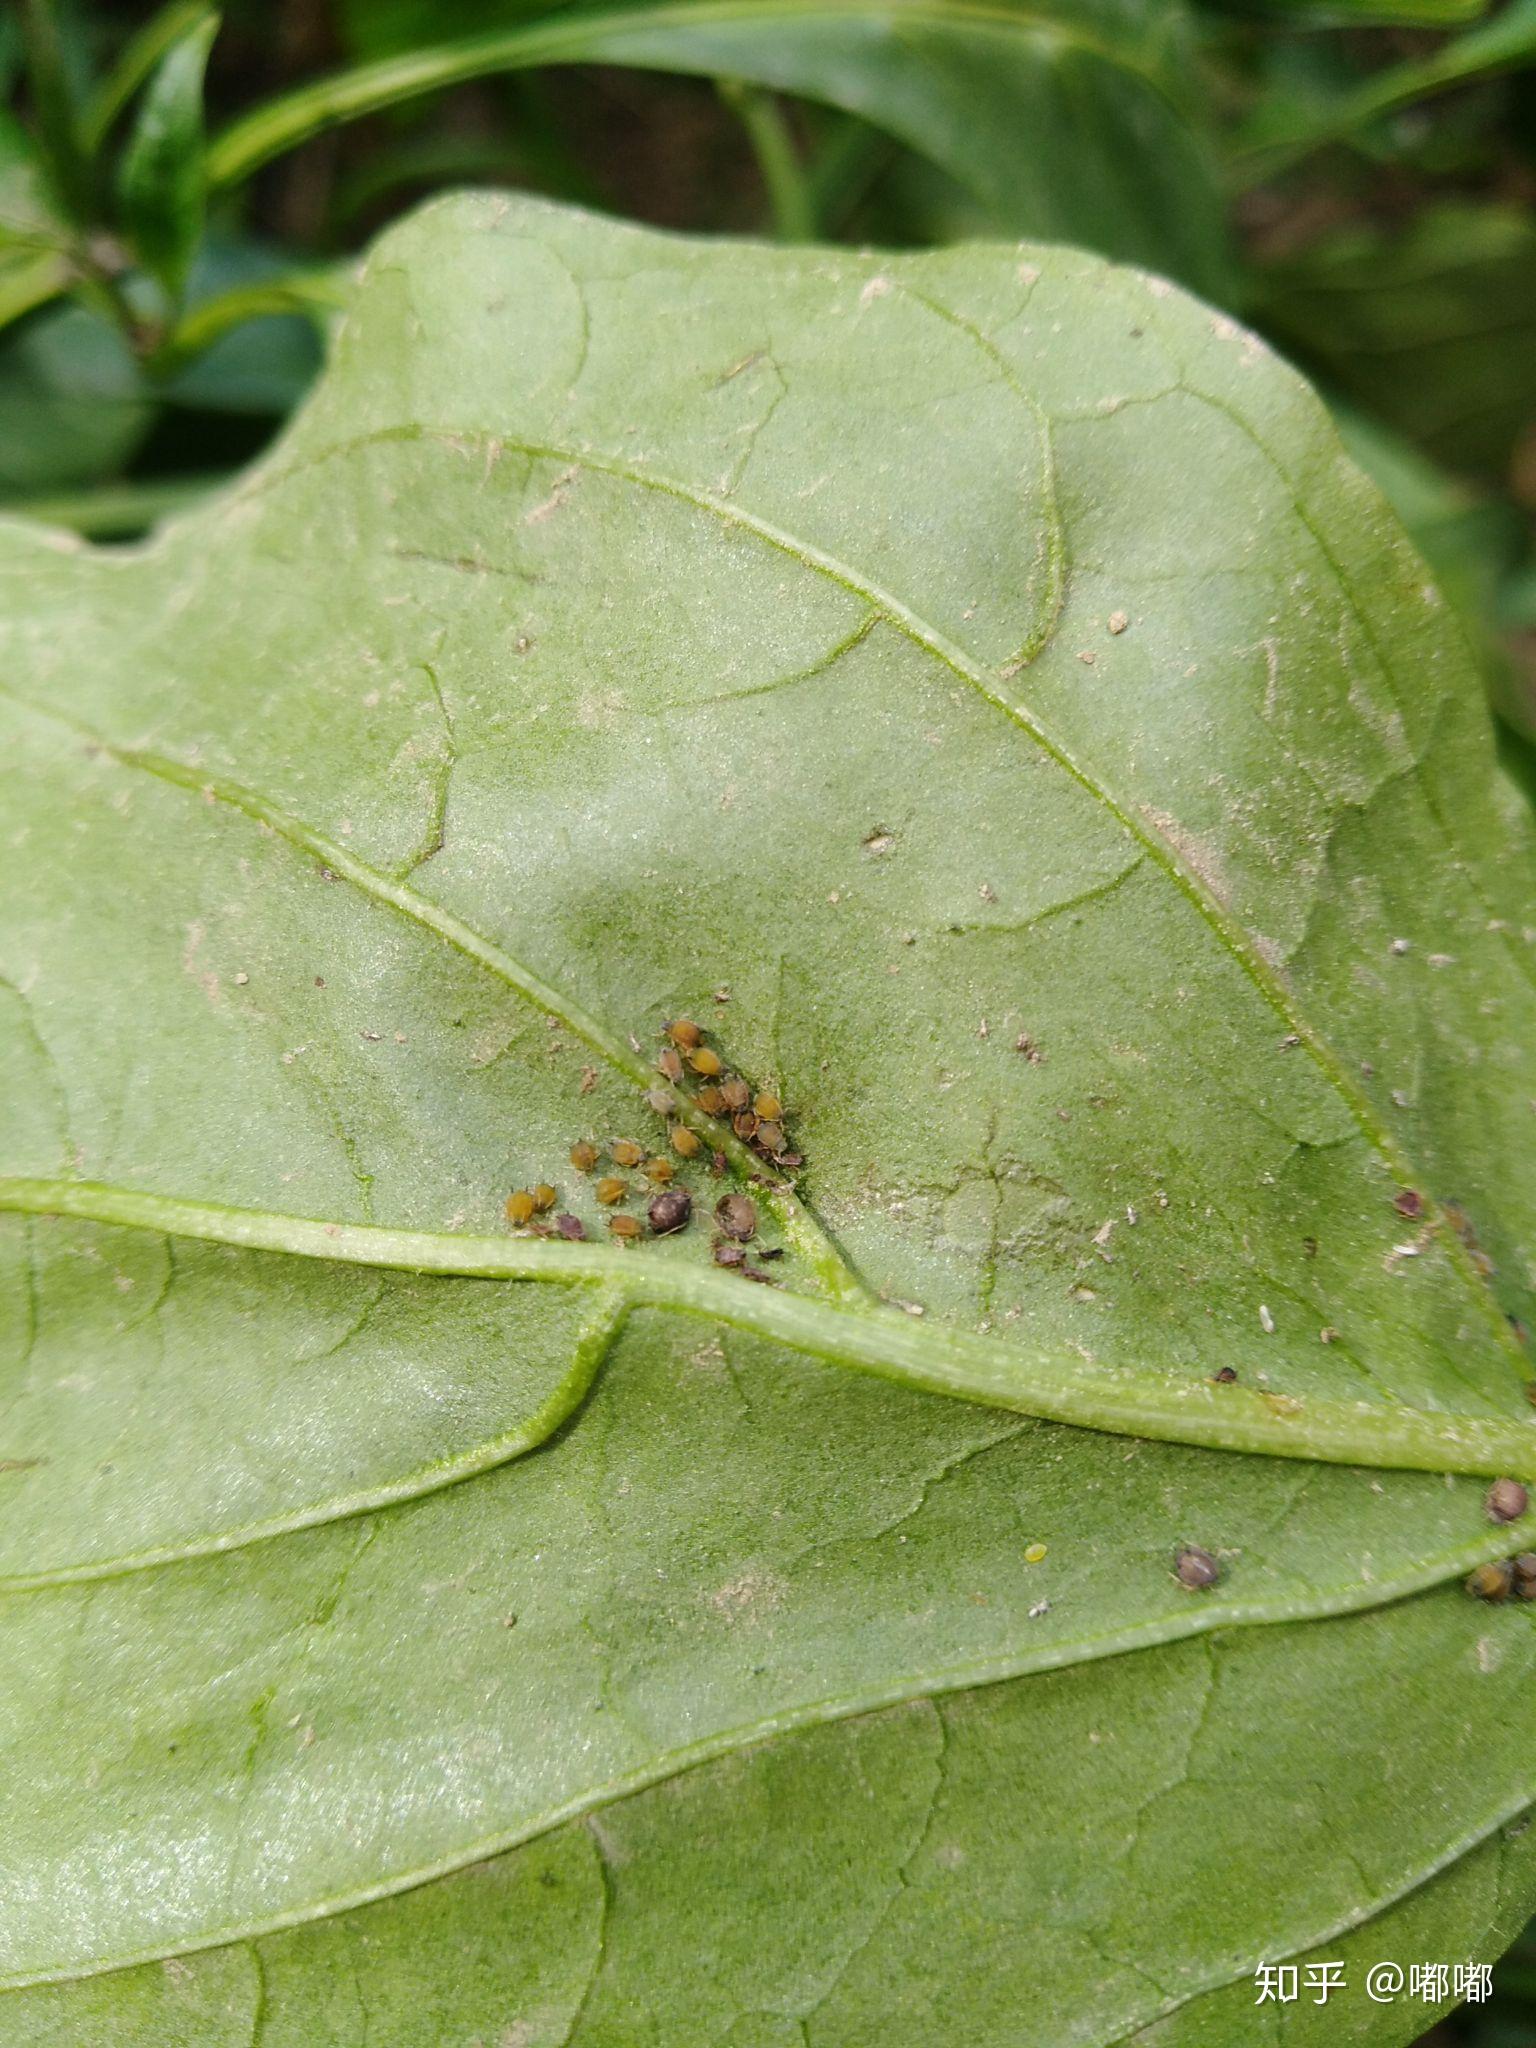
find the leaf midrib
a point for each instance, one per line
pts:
(1056, 1386)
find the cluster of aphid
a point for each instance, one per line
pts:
(756, 1115)
(756, 1119)
(1507, 1501)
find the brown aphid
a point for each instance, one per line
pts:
(684, 1143)
(1194, 1567)
(751, 1272)
(625, 1228)
(544, 1197)
(520, 1208)
(1408, 1202)
(611, 1189)
(659, 1171)
(584, 1155)
(1506, 1500)
(710, 1100)
(728, 1254)
(1524, 1568)
(735, 1093)
(744, 1124)
(684, 1032)
(662, 1100)
(771, 1137)
(625, 1152)
(1225, 1376)
(670, 1211)
(768, 1107)
(671, 1064)
(706, 1061)
(1491, 1581)
(717, 1164)
(737, 1216)
(571, 1227)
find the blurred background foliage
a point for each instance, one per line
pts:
(182, 191)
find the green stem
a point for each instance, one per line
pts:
(1055, 1386)
(783, 174)
(212, 320)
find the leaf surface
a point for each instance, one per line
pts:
(977, 687)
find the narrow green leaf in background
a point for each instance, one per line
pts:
(1074, 120)
(163, 180)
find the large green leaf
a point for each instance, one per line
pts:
(978, 687)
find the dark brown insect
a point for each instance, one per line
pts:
(662, 1100)
(737, 1216)
(1524, 1567)
(610, 1190)
(735, 1093)
(520, 1208)
(571, 1227)
(1506, 1501)
(1408, 1202)
(544, 1196)
(1194, 1567)
(1491, 1581)
(625, 1228)
(728, 1254)
(684, 1032)
(774, 1251)
(768, 1107)
(771, 1137)
(625, 1152)
(710, 1100)
(706, 1061)
(683, 1141)
(584, 1155)
(670, 1211)
(671, 1064)
(1225, 1376)
(751, 1272)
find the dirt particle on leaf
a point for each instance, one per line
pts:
(1118, 621)
(754, 1591)
(878, 842)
